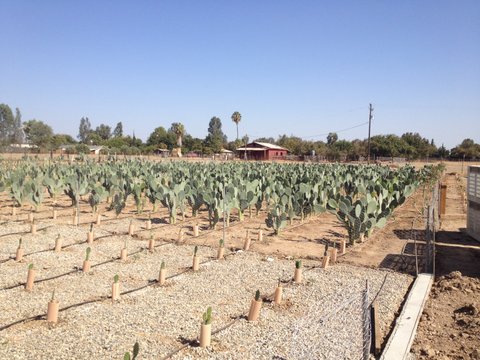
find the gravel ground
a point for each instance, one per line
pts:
(163, 319)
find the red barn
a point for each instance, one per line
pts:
(262, 151)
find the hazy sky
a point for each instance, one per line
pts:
(289, 67)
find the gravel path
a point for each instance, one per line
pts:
(163, 319)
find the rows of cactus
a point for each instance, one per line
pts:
(362, 196)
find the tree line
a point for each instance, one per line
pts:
(41, 136)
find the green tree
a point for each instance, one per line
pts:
(118, 131)
(162, 139)
(7, 125)
(236, 118)
(17, 127)
(104, 131)
(84, 129)
(38, 133)
(62, 139)
(418, 145)
(332, 138)
(442, 152)
(215, 139)
(179, 130)
(468, 149)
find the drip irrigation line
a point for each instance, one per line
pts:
(78, 269)
(379, 290)
(101, 298)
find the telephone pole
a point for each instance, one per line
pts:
(370, 116)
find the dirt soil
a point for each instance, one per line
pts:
(450, 324)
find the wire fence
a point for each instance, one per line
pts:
(432, 222)
(342, 331)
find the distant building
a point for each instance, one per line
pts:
(262, 151)
(94, 149)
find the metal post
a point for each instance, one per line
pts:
(369, 128)
(366, 324)
(224, 211)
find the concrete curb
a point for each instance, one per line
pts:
(401, 339)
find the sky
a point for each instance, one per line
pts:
(303, 68)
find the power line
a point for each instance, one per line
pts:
(337, 131)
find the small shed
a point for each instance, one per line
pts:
(473, 198)
(262, 151)
(95, 149)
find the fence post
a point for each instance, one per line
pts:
(375, 325)
(366, 324)
(443, 199)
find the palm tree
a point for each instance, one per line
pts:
(236, 118)
(179, 130)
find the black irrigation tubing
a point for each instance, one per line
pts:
(228, 325)
(63, 247)
(26, 232)
(100, 298)
(177, 350)
(78, 270)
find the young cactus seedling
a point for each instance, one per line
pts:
(298, 272)
(91, 227)
(163, 273)
(115, 289)
(206, 328)
(20, 251)
(30, 266)
(326, 250)
(207, 316)
(87, 253)
(136, 349)
(257, 295)
(221, 243)
(196, 259)
(53, 295)
(125, 244)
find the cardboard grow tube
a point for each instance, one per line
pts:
(162, 276)
(260, 235)
(131, 229)
(99, 219)
(54, 214)
(277, 297)
(86, 266)
(205, 335)
(254, 312)
(30, 279)
(325, 262)
(115, 291)
(58, 244)
(148, 224)
(196, 263)
(33, 229)
(297, 277)
(195, 230)
(220, 253)
(52, 311)
(19, 254)
(90, 237)
(333, 255)
(123, 254)
(151, 245)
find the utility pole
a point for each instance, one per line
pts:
(370, 116)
